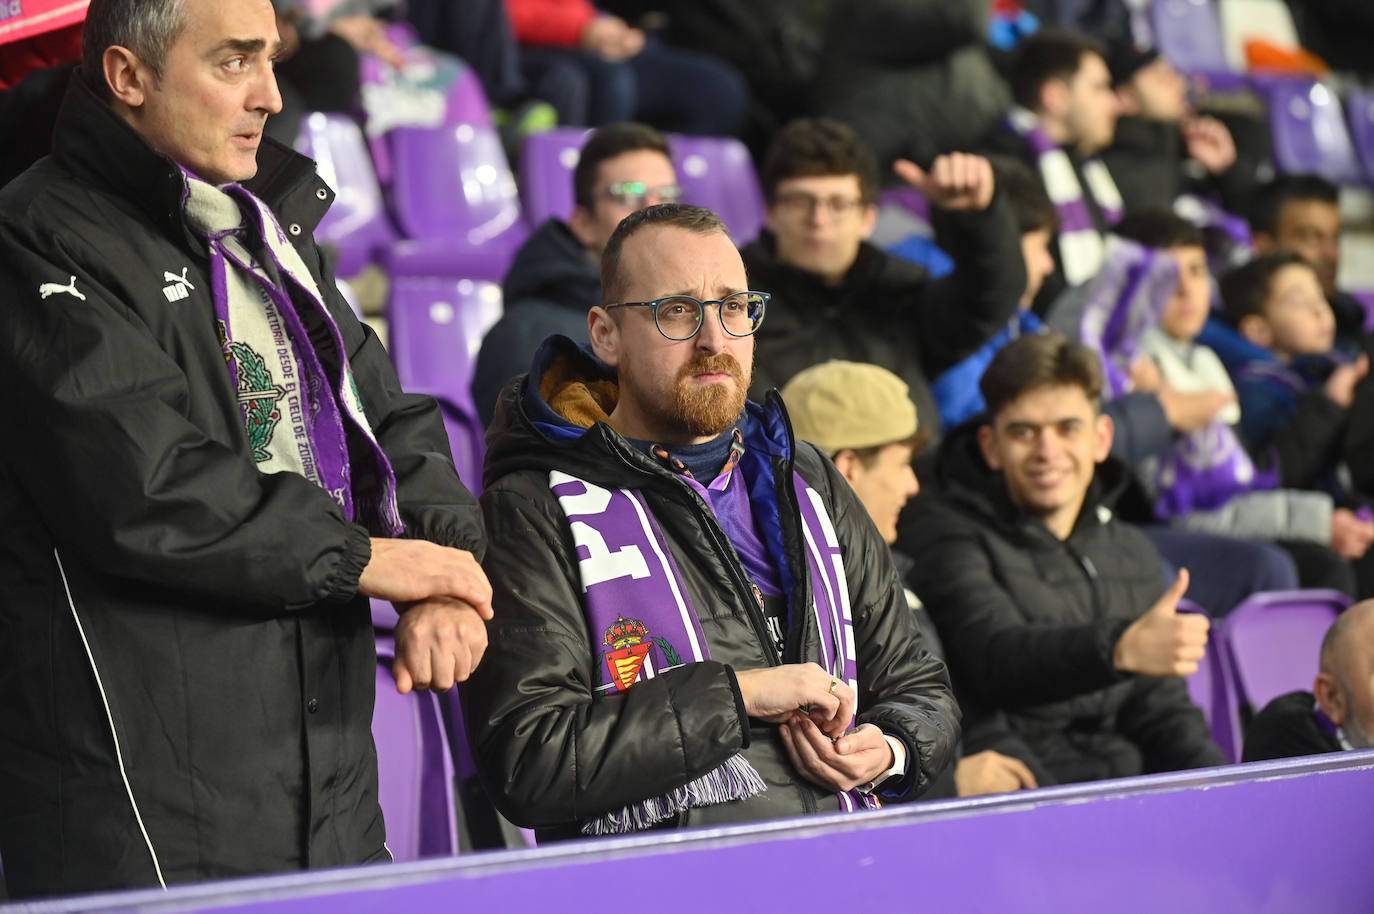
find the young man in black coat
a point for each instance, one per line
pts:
(838, 297)
(1052, 611)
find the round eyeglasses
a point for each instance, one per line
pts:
(637, 195)
(679, 317)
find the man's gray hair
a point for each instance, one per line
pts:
(146, 27)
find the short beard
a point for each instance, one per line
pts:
(706, 410)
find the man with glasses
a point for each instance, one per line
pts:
(694, 606)
(839, 297)
(553, 279)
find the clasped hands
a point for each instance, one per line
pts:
(813, 710)
(444, 600)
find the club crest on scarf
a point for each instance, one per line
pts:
(258, 396)
(630, 645)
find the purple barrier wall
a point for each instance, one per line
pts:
(1266, 837)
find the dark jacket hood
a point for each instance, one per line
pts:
(558, 417)
(553, 266)
(962, 474)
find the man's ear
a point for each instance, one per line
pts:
(1106, 432)
(581, 223)
(604, 334)
(1257, 330)
(126, 76)
(1263, 243)
(987, 442)
(848, 463)
(1054, 98)
(1330, 698)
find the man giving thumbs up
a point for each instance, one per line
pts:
(1049, 607)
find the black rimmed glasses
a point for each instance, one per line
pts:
(679, 317)
(637, 194)
(799, 203)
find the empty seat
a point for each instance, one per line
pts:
(357, 225)
(414, 767)
(1309, 130)
(717, 173)
(436, 327)
(1359, 107)
(547, 161)
(1274, 641)
(1188, 33)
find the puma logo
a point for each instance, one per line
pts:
(179, 284)
(52, 288)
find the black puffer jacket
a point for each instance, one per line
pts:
(549, 288)
(1030, 623)
(186, 671)
(890, 312)
(550, 753)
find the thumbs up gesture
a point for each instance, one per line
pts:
(1164, 642)
(958, 180)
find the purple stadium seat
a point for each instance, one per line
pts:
(717, 173)
(1188, 33)
(1359, 107)
(436, 328)
(1274, 640)
(1309, 131)
(415, 770)
(1213, 690)
(356, 224)
(383, 615)
(546, 173)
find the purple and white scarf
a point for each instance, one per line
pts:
(1081, 243)
(638, 606)
(293, 412)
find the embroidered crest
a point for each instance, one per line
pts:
(258, 396)
(629, 642)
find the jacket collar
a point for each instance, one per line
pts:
(92, 141)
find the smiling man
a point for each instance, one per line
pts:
(1051, 611)
(218, 467)
(699, 624)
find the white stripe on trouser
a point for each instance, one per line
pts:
(114, 734)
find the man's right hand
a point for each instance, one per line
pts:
(991, 772)
(1188, 412)
(1351, 535)
(774, 694)
(407, 571)
(1164, 642)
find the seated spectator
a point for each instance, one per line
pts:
(1302, 214)
(863, 418)
(1339, 711)
(1294, 395)
(553, 281)
(1050, 609)
(1065, 115)
(1162, 148)
(1209, 481)
(668, 601)
(837, 296)
(596, 69)
(956, 391)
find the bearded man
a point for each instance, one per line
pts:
(700, 623)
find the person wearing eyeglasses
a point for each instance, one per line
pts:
(699, 624)
(839, 297)
(554, 278)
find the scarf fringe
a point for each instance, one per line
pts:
(736, 779)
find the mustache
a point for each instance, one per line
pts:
(721, 362)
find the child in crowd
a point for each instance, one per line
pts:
(1294, 391)
(1209, 480)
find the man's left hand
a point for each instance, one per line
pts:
(855, 758)
(1210, 143)
(439, 642)
(957, 181)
